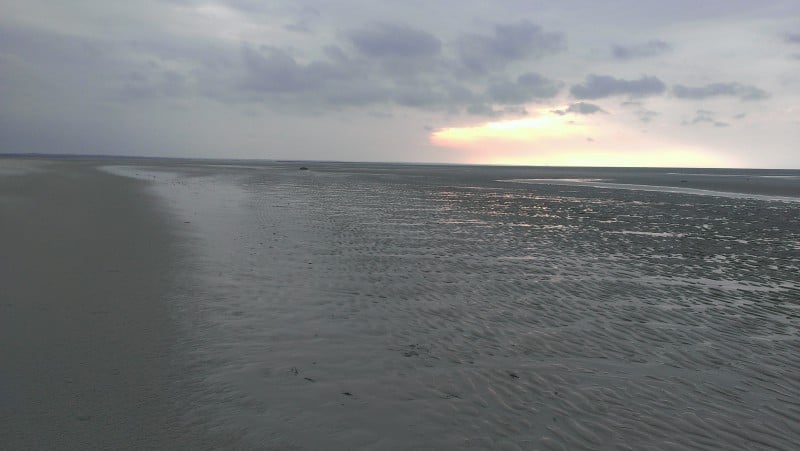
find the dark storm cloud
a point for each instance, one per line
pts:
(527, 87)
(481, 53)
(600, 86)
(648, 49)
(394, 41)
(743, 92)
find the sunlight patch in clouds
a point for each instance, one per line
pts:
(652, 157)
(551, 140)
(525, 130)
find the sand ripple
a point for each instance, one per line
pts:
(357, 310)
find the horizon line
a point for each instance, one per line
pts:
(415, 163)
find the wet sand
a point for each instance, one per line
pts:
(357, 306)
(86, 268)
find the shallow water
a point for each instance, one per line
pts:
(397, 307)
(601, 183)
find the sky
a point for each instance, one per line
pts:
(700, 83)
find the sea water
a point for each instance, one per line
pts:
(401, 306)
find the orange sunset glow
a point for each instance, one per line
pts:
(553, 140)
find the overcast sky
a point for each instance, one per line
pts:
(574, 82)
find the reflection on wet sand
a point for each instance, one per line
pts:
(600, 183)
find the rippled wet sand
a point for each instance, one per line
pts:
(399, 307)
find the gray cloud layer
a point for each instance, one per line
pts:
(387, 40)
(398, 64)
(600, 86)
(743, 92)
(792, 38)
(581, 108)
(527, 87)
(481, 53)
(68, 71)
(648, 49)
(705, 117)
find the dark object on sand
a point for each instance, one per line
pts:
(303, 168)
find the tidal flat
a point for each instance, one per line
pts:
(239, 304)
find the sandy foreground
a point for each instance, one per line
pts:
(86, 263)
(185, 305)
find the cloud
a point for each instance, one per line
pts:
(388, 65)
(344, 81)
(273, 70)
(230, 64)
(705, 117)
(55, 49)
(510, 42)
(581, 108)
(337, 82)
(384, 40)
(585, 108)
(791, 38)
(743, 92)
(483, 109)
(650, 48)
(529, 86)
(58, 64)
(646, 115)
(600, 86)
(297, 27)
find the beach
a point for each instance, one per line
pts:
(238, 304)
(86, 332)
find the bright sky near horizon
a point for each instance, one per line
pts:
(581, 82)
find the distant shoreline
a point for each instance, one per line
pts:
(89, 157)
(764, 184)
